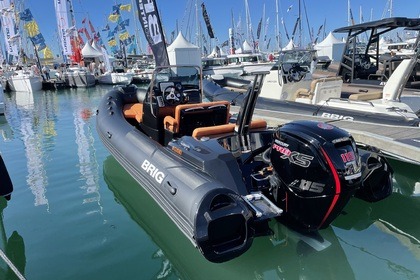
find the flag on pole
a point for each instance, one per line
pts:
(92, 29)
(153, 31)
(26, 15)
(48, 53)
(259, 29)
(207, 21)
(125, 7)
(114, 17)
(32, 28)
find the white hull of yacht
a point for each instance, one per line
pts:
(25, 83)
(79, 79)
(115, 78)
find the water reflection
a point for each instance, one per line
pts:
(33, 117)
(24, 117)
(375, 232)
(285, 255)
(88, 166)
(5, 130)
(14, 249)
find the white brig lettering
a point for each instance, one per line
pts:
(153, 171)
(337, 117)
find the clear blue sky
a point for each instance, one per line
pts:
(181, 14)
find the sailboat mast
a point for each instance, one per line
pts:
(390, 8)
(348, 13)
(300, 25)
(197, 28)
(277, 26)
(263, 28)
(136, 27)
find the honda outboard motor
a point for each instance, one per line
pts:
(318, 169)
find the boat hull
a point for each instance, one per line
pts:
(115, 78)
(215, 92)
(76, 80)
(25, 83)
(189, 196)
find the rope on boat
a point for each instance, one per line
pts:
(11, 265)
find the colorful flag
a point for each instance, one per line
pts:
(207, 21)
(61, 11)
(112, 42)
(38, 39)
(111, 33)
(125, 7)
(123, 24)
(92, 29)
(259, 29)
(41, 46)
(116, 9)
(106, 28)
(26, 15)
(32, 28)
(113, 17)
(124, 36)
(48, 53)
(147, 9)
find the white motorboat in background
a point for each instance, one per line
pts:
(290, 88)
(113, 78)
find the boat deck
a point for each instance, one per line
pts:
(400, 141)
(53, 84)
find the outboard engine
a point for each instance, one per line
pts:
(317, 168)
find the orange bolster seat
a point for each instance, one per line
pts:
(172, 123)
(209, 131)
(133, 111)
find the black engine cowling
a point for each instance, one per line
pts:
(319, 169)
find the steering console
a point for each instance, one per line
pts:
(172, 95)
(296, 73)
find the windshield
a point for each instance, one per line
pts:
(186, 75)
(302, 57)
(185, 80)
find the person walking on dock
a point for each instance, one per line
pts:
(46, 72)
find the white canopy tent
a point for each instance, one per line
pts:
(290, 46)
(331, 47)
(89, 52)
(183, 52)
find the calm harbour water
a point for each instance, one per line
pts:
(76, 214)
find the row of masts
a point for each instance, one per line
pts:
(297, 35)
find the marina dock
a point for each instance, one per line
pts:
(400, 141)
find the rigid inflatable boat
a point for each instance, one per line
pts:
(289, 87)
(222, 177)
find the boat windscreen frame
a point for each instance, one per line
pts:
(159, 70)
(376, 29)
